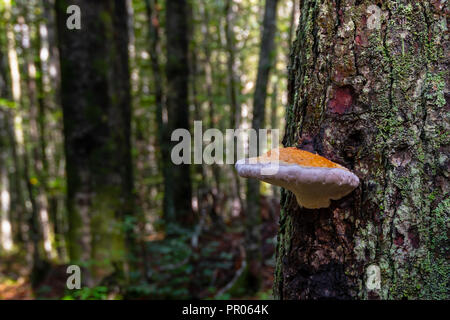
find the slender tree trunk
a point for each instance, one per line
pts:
(202, 183)
(6, 236)
(233, 77)
(53, 53)
(29, 224)
(177, 74)
(40, 263)
(211, 191)
(95, 94)
(10, 93)
(16, 202)
(292, 23)
(209, 75)
(49, 61)
(161, 110)
(153, 19)
(155, 53)
(35, 149)
(234, 86)
(253, 210)
(6, 216)
(368, 88)
(274, 123)
(49, 138)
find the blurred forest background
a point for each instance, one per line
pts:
(85, 123)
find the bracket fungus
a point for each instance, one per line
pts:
(313, 179)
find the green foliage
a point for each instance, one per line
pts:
(170, 270)
(7, 103)
(95, 293)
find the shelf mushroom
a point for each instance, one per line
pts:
(313, 179)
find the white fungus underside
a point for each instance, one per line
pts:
(313, 187)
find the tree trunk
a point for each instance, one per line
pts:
(6, 237)
(368, 88)
(95, 94)
(29, 225)
(163, 136)
(54, 129)
(232, 73)
(35, 148)
(274, 123)
(292, 23)
(6, 223)
(234, 87)
(253, 209)
(177, 73)
(209, 86)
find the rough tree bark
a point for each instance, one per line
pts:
(368, 88)
(95, 95)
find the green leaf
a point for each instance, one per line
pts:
(7, 103)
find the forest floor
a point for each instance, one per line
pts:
(15, 290)
(14, 284)
(208, 270)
